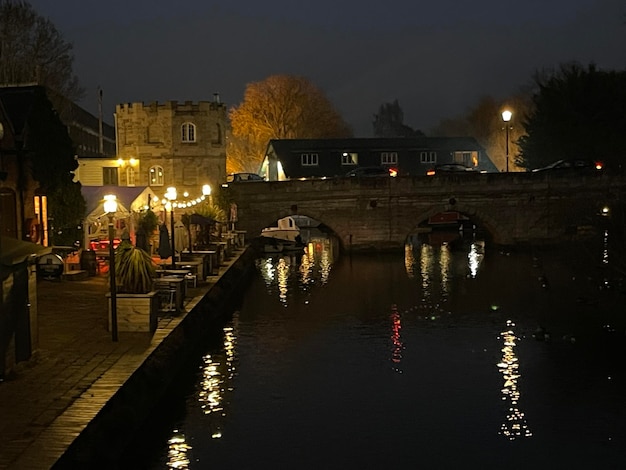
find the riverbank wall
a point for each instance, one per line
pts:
(103, 441)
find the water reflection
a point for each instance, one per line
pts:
(515, 425)
(475, 256)
(285, 274)
(396, 341)
(217, 375)
(177, 449)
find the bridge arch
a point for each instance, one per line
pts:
(380, 213)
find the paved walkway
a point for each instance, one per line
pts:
(46, 402)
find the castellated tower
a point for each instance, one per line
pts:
(172, 144)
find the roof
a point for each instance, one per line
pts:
(368, 149)
(126, 195)
(381, 143)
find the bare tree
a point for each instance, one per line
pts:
(282, 107)
(32, 50)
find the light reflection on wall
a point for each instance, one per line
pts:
(515, 425)
(217, 376)
(177, 451)
(475, 256)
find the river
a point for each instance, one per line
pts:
(453, 355)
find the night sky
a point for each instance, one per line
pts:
(436, 58)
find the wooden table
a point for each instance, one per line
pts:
(212, 261)
(172, 272)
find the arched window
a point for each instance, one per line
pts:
(130, 176)
(156, 176)
(188, 132)
(217, 138)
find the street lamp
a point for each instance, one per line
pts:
(171, 196)
(110, 208)
(506, 117)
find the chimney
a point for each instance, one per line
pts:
(216, 97)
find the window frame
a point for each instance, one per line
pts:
(388, 158)
(309, 159)
(110, 176)
(188, 133)
(349, 158)
(428, 156)
(161, 177)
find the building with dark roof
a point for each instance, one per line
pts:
(319, 158)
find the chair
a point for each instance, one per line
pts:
(191, 280)
(167, 300)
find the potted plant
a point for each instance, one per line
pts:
(137, 302)
(134, 269)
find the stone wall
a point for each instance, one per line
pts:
(152, 135)
(382, 212)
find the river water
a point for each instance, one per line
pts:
(453, 355)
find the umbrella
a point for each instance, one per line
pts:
(200, 220)
(181, 237)
(165, 250)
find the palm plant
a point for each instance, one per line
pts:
(134, 268)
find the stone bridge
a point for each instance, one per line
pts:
(380, 213)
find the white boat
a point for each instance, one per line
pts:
(286, 230)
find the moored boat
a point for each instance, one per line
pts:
(285, 230)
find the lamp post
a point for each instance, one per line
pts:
(110, 207)
(171, 196)
(506, 117)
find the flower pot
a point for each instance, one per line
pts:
(135, 312)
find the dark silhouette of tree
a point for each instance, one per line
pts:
(389, 122)
(33, 51)
(280, 107)
(577, 113)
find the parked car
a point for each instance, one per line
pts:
(368, 171)
(240, 177)
(449, 168)
(576, 164)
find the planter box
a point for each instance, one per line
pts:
(135, 312)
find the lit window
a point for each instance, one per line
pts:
(348, 158)
(156, 176)
(389, 158)
(188, 132)
(309, 159)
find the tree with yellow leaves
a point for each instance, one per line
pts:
(279, 107)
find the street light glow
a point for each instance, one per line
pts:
(506, 115)
(110, 204)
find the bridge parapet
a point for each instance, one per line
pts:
(382, 212)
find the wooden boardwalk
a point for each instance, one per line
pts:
(48, 401)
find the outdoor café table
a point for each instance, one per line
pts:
(172, 272)
(176, 283)
(213, 261)
(194, 266)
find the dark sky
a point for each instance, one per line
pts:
(437, 58)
